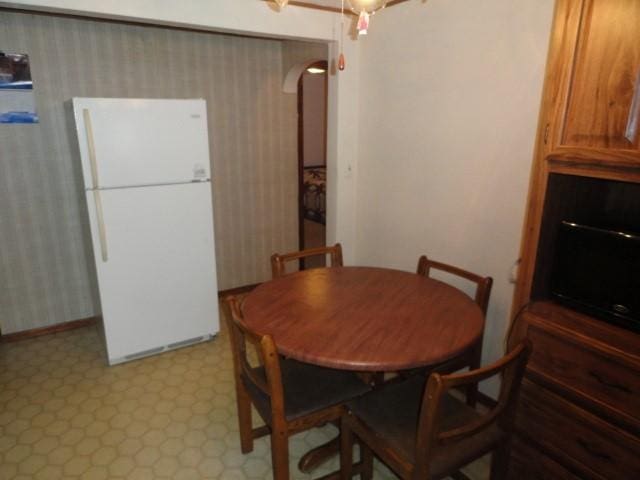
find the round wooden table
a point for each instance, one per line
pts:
(364, 319)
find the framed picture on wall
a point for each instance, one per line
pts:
(17, 100)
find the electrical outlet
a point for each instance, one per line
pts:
(513, 273)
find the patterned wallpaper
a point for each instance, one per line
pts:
(46, 274)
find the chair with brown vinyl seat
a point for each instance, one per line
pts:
(427, 433)
(278, 262)
(290, 396)
(472, 356)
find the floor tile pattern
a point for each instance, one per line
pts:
(64, 414)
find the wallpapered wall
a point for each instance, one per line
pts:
(46, 275)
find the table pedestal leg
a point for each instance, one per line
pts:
(317, 456)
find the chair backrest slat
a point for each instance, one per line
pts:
(483, 284)
(240, 337)
(278, 262)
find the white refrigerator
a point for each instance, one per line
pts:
(146, 173)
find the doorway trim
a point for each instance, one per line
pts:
(300, 105)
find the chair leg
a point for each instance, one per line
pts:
(474, 363)
(500, 461)
(472, 395)
(280, 454)
(346, 450)
(244, 420)
(458, 475)
(366, 457)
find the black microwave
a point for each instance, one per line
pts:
(597, 270)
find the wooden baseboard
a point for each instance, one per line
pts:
(85, 322)
(37, 332)
(222, 294)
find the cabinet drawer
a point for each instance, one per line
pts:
(528, 463)
(598, 376)
(583, 441)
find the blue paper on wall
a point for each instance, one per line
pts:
(17, 99)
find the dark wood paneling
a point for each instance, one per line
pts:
(584, 200)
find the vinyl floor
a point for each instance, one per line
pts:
(65, 414)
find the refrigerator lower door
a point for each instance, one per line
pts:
(155, 258)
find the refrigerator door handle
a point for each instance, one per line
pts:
(88, 128)
(102, 233)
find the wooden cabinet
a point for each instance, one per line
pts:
(589, 122)
(602, 104)
(583, 442)
(592, 91)
(579, 407)
(579, 412)
(522, 468)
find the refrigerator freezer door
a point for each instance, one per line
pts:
(134, 142)
(157, 280)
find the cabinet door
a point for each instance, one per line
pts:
(602, 109)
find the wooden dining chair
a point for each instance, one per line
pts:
(483, 284)
(428, 433)
(473, 356)
(279, 262)
(290, 396)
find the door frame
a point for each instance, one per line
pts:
(318, 64)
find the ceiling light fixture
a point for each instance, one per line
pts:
(315, 70)
(363, 8)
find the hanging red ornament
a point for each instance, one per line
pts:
(341, 63)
